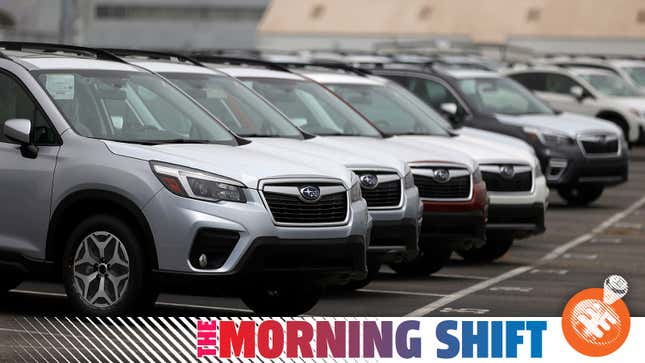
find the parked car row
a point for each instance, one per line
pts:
(131, 171)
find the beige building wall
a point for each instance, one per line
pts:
(482, 20)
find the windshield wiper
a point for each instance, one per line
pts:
(260, 135)
(176, 141)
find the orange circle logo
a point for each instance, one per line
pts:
(595, 322)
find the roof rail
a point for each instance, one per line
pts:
(53, 48)
(152, 54)
(330, 65)
(242, 61)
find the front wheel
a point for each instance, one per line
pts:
(104, 269)
(496, 246)
(581, 195)
(282, 299)
(426, 263)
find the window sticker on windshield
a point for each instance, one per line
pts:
(117, 122)
(60, 86)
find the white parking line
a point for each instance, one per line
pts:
(396, 292)
(511, 289)
(580, 256)
(458, 276)
(549, 271)
(607, 240)
(464, 311)
(555, 253)
(629, 225)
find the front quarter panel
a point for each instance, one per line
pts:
(87, 164)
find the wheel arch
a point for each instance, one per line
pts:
(78, 205)
(616, 117)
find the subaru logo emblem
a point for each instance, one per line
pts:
(310, 193)
(369, 181)
(441, 175)
(507, 171)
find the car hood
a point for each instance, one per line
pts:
(407, 153)
(568, 123)
(245, 165)
(482, 154)
(312, 153)
(494, 139)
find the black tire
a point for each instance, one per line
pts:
(581, 195)
(267, 299)
(138, 291)
(372, 273)
(496, 246)
(425, 264)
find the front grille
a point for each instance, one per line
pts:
(285, 208)
(386, 194)
(456, 188)
(520, 182)
(599, 144)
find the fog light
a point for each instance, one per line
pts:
(203, 261)
(556, 168)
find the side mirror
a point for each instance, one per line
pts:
(19, 130)
(451, 112)
(449, 108)
(578, 93)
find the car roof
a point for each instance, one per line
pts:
(470, 73)
(626, 63)
(254, 72)
(162, 66)
(590, 70)
(333, 77)
(55, 61)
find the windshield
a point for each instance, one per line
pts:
(129, 107)
(610, 84)
(390, 109)
(235, 105)
(501, 96)
(637, 74)
(312, 107)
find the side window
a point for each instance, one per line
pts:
(557, 83)
(439, 94)
(15, 102)
(532, 81)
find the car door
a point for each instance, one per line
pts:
(25, 193)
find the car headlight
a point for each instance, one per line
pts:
(549, 137)
(477, 176)
(355, 192)
(196, 184)
(408, 180)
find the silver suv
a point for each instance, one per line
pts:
(115, 181)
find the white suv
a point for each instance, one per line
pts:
(588, 91)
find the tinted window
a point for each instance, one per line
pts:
(637, 74)
(390, 108)
(501, 95)
(558, 83)
(610, 84)
(15, 102)
(532, 81)
(431, 92)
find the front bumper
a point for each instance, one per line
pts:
(455, 225)
(568, 168)
(177, 222)
(395, 232)
(520, 220)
